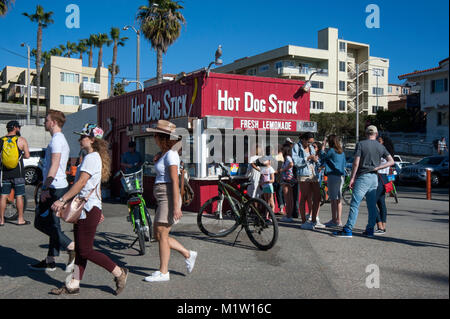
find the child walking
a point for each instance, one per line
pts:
(266, 181)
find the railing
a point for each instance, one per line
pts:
(22, 90)
(291, 70)
(85, 106)
(90, 88)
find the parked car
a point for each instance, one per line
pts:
(33, 170)
(418, 172)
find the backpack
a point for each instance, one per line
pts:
(10, 152)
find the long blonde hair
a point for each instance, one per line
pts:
(101, 146)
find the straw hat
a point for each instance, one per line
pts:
(165, 127)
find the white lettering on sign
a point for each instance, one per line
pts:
(173, 107)
(225, 102)
(270, 125)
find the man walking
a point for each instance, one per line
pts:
(364, 180)
(54, 187)
(13, 149)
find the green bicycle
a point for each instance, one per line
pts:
(222, 214)
(138, 213)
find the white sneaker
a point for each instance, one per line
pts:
(158, 276)
(307, 225)
(286, 219)
(190, 262)
(309, 217)
(318, 224)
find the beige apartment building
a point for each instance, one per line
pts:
(66, 85)
(334, 88)
(397, 92)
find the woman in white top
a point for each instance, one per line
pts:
(381, 193)
(94, 169)
(167, 193)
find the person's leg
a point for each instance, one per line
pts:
(19, 189)
(334, 208)
(359, 191)
(3, 199)
(167, 243)
(371, 199)
(305, 193)
(295, 197)
(287, 193)
(315, 189)
(379, 194)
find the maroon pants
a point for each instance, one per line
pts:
(84, 233)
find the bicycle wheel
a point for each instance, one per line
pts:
(347, 195)
(37, 193)
(260, 224)
(216, 217)
(140, 230)
(394, 192)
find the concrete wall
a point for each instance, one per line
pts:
(74, 123)
(35, 135)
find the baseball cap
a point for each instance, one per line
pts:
(371, 129)
(12, 124)
(288, 140)
(91, 130)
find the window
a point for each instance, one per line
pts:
(377, 91)
(342, 106)
(438, 86)
(375, 109)
(378, 72)
(317, 84)
(69, 100)
(70, 77)
(341, 85)
(442, 118)
(251, 71)
(263, 68)
(85, 79)
(342, 47)
(405, 91)
(341, 66)
(390, 89)
(316, 105)
(279, 65)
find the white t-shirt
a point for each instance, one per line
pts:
(92, 164)
(58, 144)
(384, 170)
(170, 158)
(266, 171)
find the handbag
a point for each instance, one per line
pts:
(388, 187)
(72, 210)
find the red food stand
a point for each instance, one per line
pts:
(219, 117)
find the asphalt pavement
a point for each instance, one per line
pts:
(410, 261)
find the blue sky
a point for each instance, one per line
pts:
(413, 34)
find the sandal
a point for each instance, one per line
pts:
(26, 223)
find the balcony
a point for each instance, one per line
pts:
(85, 106)
(288, 71)
(89, 88)
(18, 91)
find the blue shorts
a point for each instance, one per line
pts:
(267, 189)
(17, 183)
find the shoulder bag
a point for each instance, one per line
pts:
(72, 210)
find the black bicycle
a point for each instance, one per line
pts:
(222, 214)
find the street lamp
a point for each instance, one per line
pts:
(138, 52)
(357, 91)
(218, 61)
(28, 84)
(307, 86)
(126, 82)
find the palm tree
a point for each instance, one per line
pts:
(118, 41)
(160, 24)
(4, 6)
(100, 40)
(63, 49)
(82, 48)
(71, 48)
(56, 52)
(43, 19)
(90, 42)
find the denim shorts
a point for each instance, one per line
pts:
(17, 183)
(267, 189)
